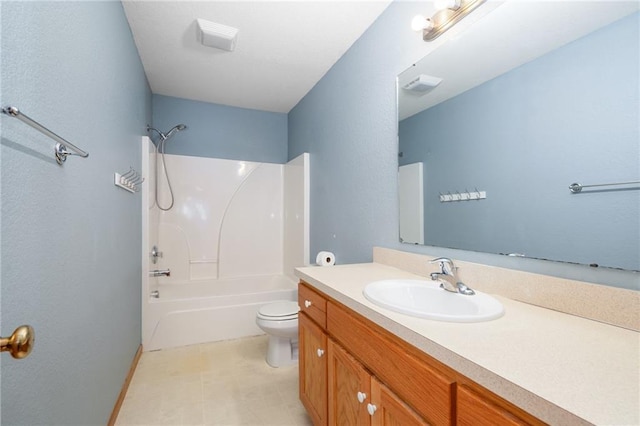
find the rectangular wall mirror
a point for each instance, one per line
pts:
(533, 97)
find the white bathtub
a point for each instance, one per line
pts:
(208, 311)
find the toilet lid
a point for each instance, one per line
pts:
(279, 309)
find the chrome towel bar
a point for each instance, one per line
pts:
(63, 145)
(577, 187)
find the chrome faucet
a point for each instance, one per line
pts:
(160, 273)
(448, 277)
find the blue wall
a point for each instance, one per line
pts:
(348, 125)
(571, 115)
(221, 131)
(71, 240)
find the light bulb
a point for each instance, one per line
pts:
(419, 23)
(446, 4)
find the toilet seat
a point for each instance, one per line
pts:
(279, 311)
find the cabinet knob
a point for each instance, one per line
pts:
(371, 409)
(320, 353)
(361, 397)
(307, 303)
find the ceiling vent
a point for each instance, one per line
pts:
(422, 84)
(216, 35)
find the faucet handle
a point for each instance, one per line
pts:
(446, 265)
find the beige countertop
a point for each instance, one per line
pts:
(561, 368)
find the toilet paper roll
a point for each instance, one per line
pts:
(325, 258)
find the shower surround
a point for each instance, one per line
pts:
(235, 233)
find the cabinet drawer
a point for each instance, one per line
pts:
(312, 304)
(426, 390)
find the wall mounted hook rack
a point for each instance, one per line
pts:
(129, 181)
(463, 196)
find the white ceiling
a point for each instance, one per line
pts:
(284, 47)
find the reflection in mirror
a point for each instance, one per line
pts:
(564, 116)
(411, 199)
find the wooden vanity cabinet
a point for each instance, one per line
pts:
(345, 358)
(312, 356)
(335, 388)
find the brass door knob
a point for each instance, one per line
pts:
(20, 343)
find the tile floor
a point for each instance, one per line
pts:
(221, 383)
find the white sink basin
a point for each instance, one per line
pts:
(425, 299)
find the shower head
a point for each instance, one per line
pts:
(175, 129)
(169, 133)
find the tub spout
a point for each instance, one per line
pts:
(160, 273)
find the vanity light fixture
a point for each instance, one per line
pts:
(448, 13)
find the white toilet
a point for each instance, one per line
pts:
(280, 321)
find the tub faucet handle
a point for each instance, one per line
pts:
(155, 254)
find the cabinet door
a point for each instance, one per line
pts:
(312, 344)
(475, 410)
(349, 388)
(388, 410)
